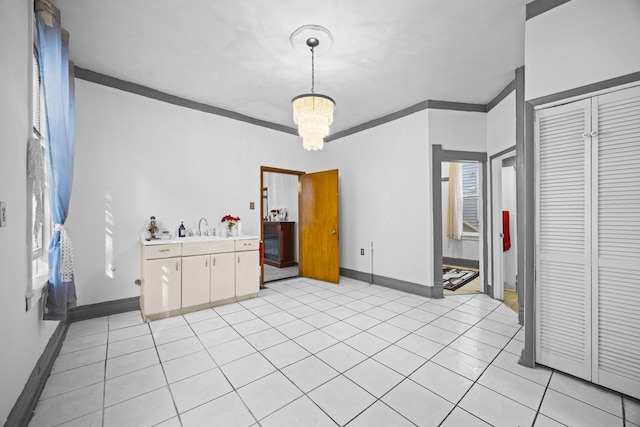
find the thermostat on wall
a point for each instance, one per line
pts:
(3, 214)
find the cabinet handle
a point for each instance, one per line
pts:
(177, 263)
(214, 262)
(238, 259)
(206, 262)
(164, 250)
(594, 133)
(585, 135)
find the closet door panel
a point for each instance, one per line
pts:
(616, 248)
(563, 223)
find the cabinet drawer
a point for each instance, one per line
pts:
(162, 251)
(247, 245)
(195, 248)
(221, 247)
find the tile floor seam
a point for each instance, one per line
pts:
(164, 373)
(546, 388)
(587, 403)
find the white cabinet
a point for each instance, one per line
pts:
(588, 239)
(195, 280)
(223, 277)
(161, 285)
(182, 277)
(247, 267)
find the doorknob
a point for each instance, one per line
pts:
(333, 232)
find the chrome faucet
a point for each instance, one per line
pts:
(200, 223)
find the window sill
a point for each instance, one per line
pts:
(38, 285)
(470, 236)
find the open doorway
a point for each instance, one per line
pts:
(280, 219)
(461, 213)
(439, 158)
(316, 228)
(504, 242)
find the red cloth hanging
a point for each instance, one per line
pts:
(506, 235)
(261, 253)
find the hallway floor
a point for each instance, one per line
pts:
(309, 353)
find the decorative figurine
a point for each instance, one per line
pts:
(153, 227)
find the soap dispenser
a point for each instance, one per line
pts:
(182, 231)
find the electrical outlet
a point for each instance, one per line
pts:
(252, 205)
(361, 251)
(3, 214)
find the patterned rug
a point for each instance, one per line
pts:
(454, 278)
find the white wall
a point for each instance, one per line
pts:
(137, 157)
(458, 130)
(385, 197)
(282, 192)
(579, 43)
(22, 334)
(501, 125)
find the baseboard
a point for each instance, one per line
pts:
(102, 309)
(25, 405)
(388, 282)
(461, 262)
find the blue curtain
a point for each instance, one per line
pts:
(58, 88)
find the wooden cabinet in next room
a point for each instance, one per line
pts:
(279, 243)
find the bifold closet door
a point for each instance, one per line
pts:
(563, 234)
(616, 238)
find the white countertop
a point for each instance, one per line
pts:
(195, 239)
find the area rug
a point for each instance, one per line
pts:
(454, 278)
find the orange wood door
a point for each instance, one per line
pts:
(319, 228)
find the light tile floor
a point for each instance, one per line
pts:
(308, 353)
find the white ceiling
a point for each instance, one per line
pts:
(235, 54)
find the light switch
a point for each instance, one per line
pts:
(3, 214)
(252, 205)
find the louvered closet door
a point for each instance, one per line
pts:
(563, 224)
(616, 249)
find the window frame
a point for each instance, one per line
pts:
(39, 243)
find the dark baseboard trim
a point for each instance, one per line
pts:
(461, 262)
(101, 309)
(25, 405)
(387, 282)
(538, 7)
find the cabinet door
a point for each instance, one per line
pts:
(195, 280)
(616, 241)
(161, 288)
(223, 275)
(247, 273)
(563, 238)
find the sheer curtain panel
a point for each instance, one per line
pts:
(58, 86)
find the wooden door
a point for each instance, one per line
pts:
(319, 228)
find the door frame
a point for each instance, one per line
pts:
(264, 169)
(495, 242)
(438, 156)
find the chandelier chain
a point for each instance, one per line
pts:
(313, 76)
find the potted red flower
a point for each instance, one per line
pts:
(230, 221)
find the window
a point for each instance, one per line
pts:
(40, 212)
(471, 199)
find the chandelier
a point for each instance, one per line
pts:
(312, 112)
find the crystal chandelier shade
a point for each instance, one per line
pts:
(312, 112)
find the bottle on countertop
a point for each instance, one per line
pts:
(182, 231)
